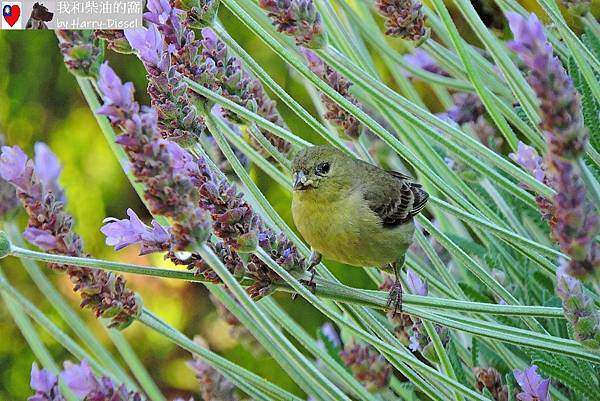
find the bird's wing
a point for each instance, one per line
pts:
(398, 200)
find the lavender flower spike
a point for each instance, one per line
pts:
(579, 309)
(560, 105)
(297, 18)
(534, 388)
(404, 18)
(51, 229)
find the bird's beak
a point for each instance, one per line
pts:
(299, 180)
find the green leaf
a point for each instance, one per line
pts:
(510, 386)
(475, 352)
(332, 349)
(470, 247)
(590, 107)
(591, 42)
(575, 375)
(457, 365)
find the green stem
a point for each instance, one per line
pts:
(324, 288)
(239, 376)
(67, 313)
(136, 366)
(306, 375)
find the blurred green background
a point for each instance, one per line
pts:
(40, 101)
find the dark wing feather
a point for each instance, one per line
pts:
(398, 200)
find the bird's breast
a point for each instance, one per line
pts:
(347, 230)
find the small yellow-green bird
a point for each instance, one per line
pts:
(353, 212)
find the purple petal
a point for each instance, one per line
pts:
(40, 238)
(416, 285)
(329, 331)
(79, 378)
(125, 232)
(47, 166)
(13, 162)
(42, 380)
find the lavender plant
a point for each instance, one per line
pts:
(502, 283)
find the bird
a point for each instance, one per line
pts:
(353, 212)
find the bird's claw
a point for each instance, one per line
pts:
(395, 298)
(309, 283)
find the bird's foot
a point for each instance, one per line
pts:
(395, 298)
(309, 283)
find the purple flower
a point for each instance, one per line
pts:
(118, 97)
(534, 388)
(79, 378)
(159, 11)
(530, 41)
(528, 158)
(181, 160)
(297, 18)
(416, 284)
(328, 330)
(13, 166)
(150, 45)
(45, 384)
(560, 104)
(122, 233)
(404, 18)
(573, 219)
(8, 195)
(40, 238)
(47, 168)
(42, 380)
(421, 59)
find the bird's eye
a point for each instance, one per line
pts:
(322, 169)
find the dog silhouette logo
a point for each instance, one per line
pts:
(39, 16)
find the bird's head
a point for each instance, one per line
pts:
(321, 166)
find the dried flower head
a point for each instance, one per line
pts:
(346, 122)
(368, 367)
(213, 385)
(490, 379)
(404, 18)
(297, 18)
(81, 51)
